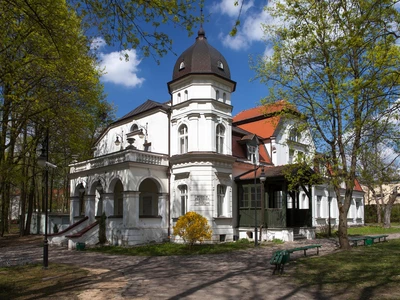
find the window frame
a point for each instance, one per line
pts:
(221, 195)
(183, 139)
(220, 138)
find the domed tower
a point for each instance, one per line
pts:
(201, 136)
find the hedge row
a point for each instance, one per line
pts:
(371, 217)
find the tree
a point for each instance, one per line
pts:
(338, 63)
(192, 228)
(48, 80)
(129, 24)
(378, 167)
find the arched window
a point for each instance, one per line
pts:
(186, 95)
(183, 139)
(220, 136)
(118, 199)
(217, 95)
(179, 98)
(134, 127)
(294, 135)
(148, 199)
(183, 197)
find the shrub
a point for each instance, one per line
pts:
(193, 228)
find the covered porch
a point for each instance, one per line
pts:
(265, 203)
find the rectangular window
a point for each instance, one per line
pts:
(291, 156)
(318, 207)
(148, 206)
(277, 201)
(183, 198)
(248, 198)
(358, 205)
(221, 190)
(251, 154)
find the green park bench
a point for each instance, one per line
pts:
(305, 248)
(365, 239)
(279, 259)
(378, 237)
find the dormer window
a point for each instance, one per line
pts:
(182, 65)
(220, 65)
(252, 153)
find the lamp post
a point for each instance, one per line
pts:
(144, 135)
(255, 201)
(44, 163)
(262, 180)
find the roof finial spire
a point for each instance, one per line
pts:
(201, 33)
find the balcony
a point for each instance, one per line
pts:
(129, 155)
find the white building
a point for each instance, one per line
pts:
(163, 159)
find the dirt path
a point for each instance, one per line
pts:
(238, 275)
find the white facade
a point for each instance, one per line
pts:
(162, 160)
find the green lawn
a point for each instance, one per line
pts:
(370, 272)
(167, 249)
(371, 230)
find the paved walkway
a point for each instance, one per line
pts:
(238, 275)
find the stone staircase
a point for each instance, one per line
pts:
(297, 235)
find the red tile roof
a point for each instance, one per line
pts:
(264, 156)
(262, 110)
(264, 128)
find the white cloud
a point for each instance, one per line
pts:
(97, 43)
(252, 20)
(248, 32)
(227, 7)
(114, 65)
(120, 71)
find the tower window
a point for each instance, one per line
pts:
(182, 65)
(217, 95)
(220, 135)
(183, 139)
(220, 65)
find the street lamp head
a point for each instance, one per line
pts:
(117, 142)
(262, 175)
(141, 134)
(99, 187)
(42, 158)
(81, 188)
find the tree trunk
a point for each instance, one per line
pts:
(31, 198)
(388, 208)
(342, 229)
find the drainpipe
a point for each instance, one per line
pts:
(169, 174)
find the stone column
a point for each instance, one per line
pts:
(74, 208)
(90, 207)
(163, 209)
(131, 209)
(108, 203)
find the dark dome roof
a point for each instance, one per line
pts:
(201, 58)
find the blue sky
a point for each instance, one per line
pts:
(129, 84)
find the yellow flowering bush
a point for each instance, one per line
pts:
(192, 228)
